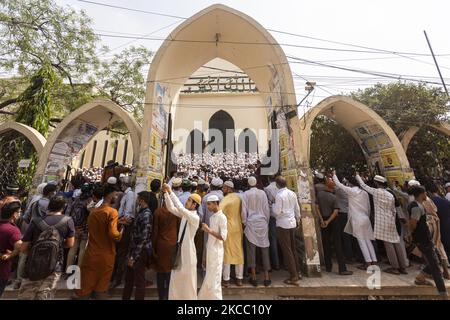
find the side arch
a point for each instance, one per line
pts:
(35, 137)
(76, 130)
(408, 135)
(375, 136)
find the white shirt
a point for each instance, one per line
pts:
(212, 284)
(385, 213)
(447, 196)
(255, 217)
(358, 223)
(183, 281)
(127, 203)
(286, 209)
(206, 213)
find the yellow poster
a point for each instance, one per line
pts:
(390, 159)
(155, 141)
(151, 176)
(284, 142)
(395, 175)
(291, 179)
(153, 159)
(284, 161)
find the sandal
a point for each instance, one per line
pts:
(392, 271)
(423, 283)
(291, 282)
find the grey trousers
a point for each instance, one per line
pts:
(251, 255)
(396, 253)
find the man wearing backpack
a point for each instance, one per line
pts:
(45, 240)
(79, 213)
(39, 208)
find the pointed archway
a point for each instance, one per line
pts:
(74, 133)
(221, 132)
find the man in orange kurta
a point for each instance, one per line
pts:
(98, 261)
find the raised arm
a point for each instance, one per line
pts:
(339, 185)
(365, 186)
(170, 205)
(191, 216)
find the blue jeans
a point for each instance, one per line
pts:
(274, 259)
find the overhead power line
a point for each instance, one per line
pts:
(371, 49)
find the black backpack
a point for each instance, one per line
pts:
(46, 250)
(78, 212)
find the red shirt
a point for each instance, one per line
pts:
(9, 234)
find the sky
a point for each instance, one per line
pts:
(393, 26)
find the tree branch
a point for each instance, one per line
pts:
(8, 102)
(7, 112)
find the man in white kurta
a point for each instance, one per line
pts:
(183, 281)
(358, 223)
(217, 233)
(255, 217)
(385, 228)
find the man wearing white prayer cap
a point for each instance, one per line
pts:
(217, 233)
(385, 227)
(413, 183)
(217, 182)
(216, 189)
(231, 206)
(112, 180)
(176, 186)
(447, 189)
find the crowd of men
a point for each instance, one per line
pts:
(216, 226)
(238, 166)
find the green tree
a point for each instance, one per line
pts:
(429, 154)
(403, 105)
(122, 79)
(36, 102)
(38, 32)
(332, 147)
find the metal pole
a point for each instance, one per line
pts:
(435, 62)
(168, 145)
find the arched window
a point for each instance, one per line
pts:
(247, 141)
(195, 142)
(223, 124)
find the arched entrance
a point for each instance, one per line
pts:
(380, 145)
(222, 123)
(222, 32)
(34, 136)
(74, 133)
(20, 146)
(408, 135)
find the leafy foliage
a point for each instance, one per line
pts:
(403, 105)
(122, 79)
(36, 103)
(332, 147)
(38, 32)
(429, 154)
